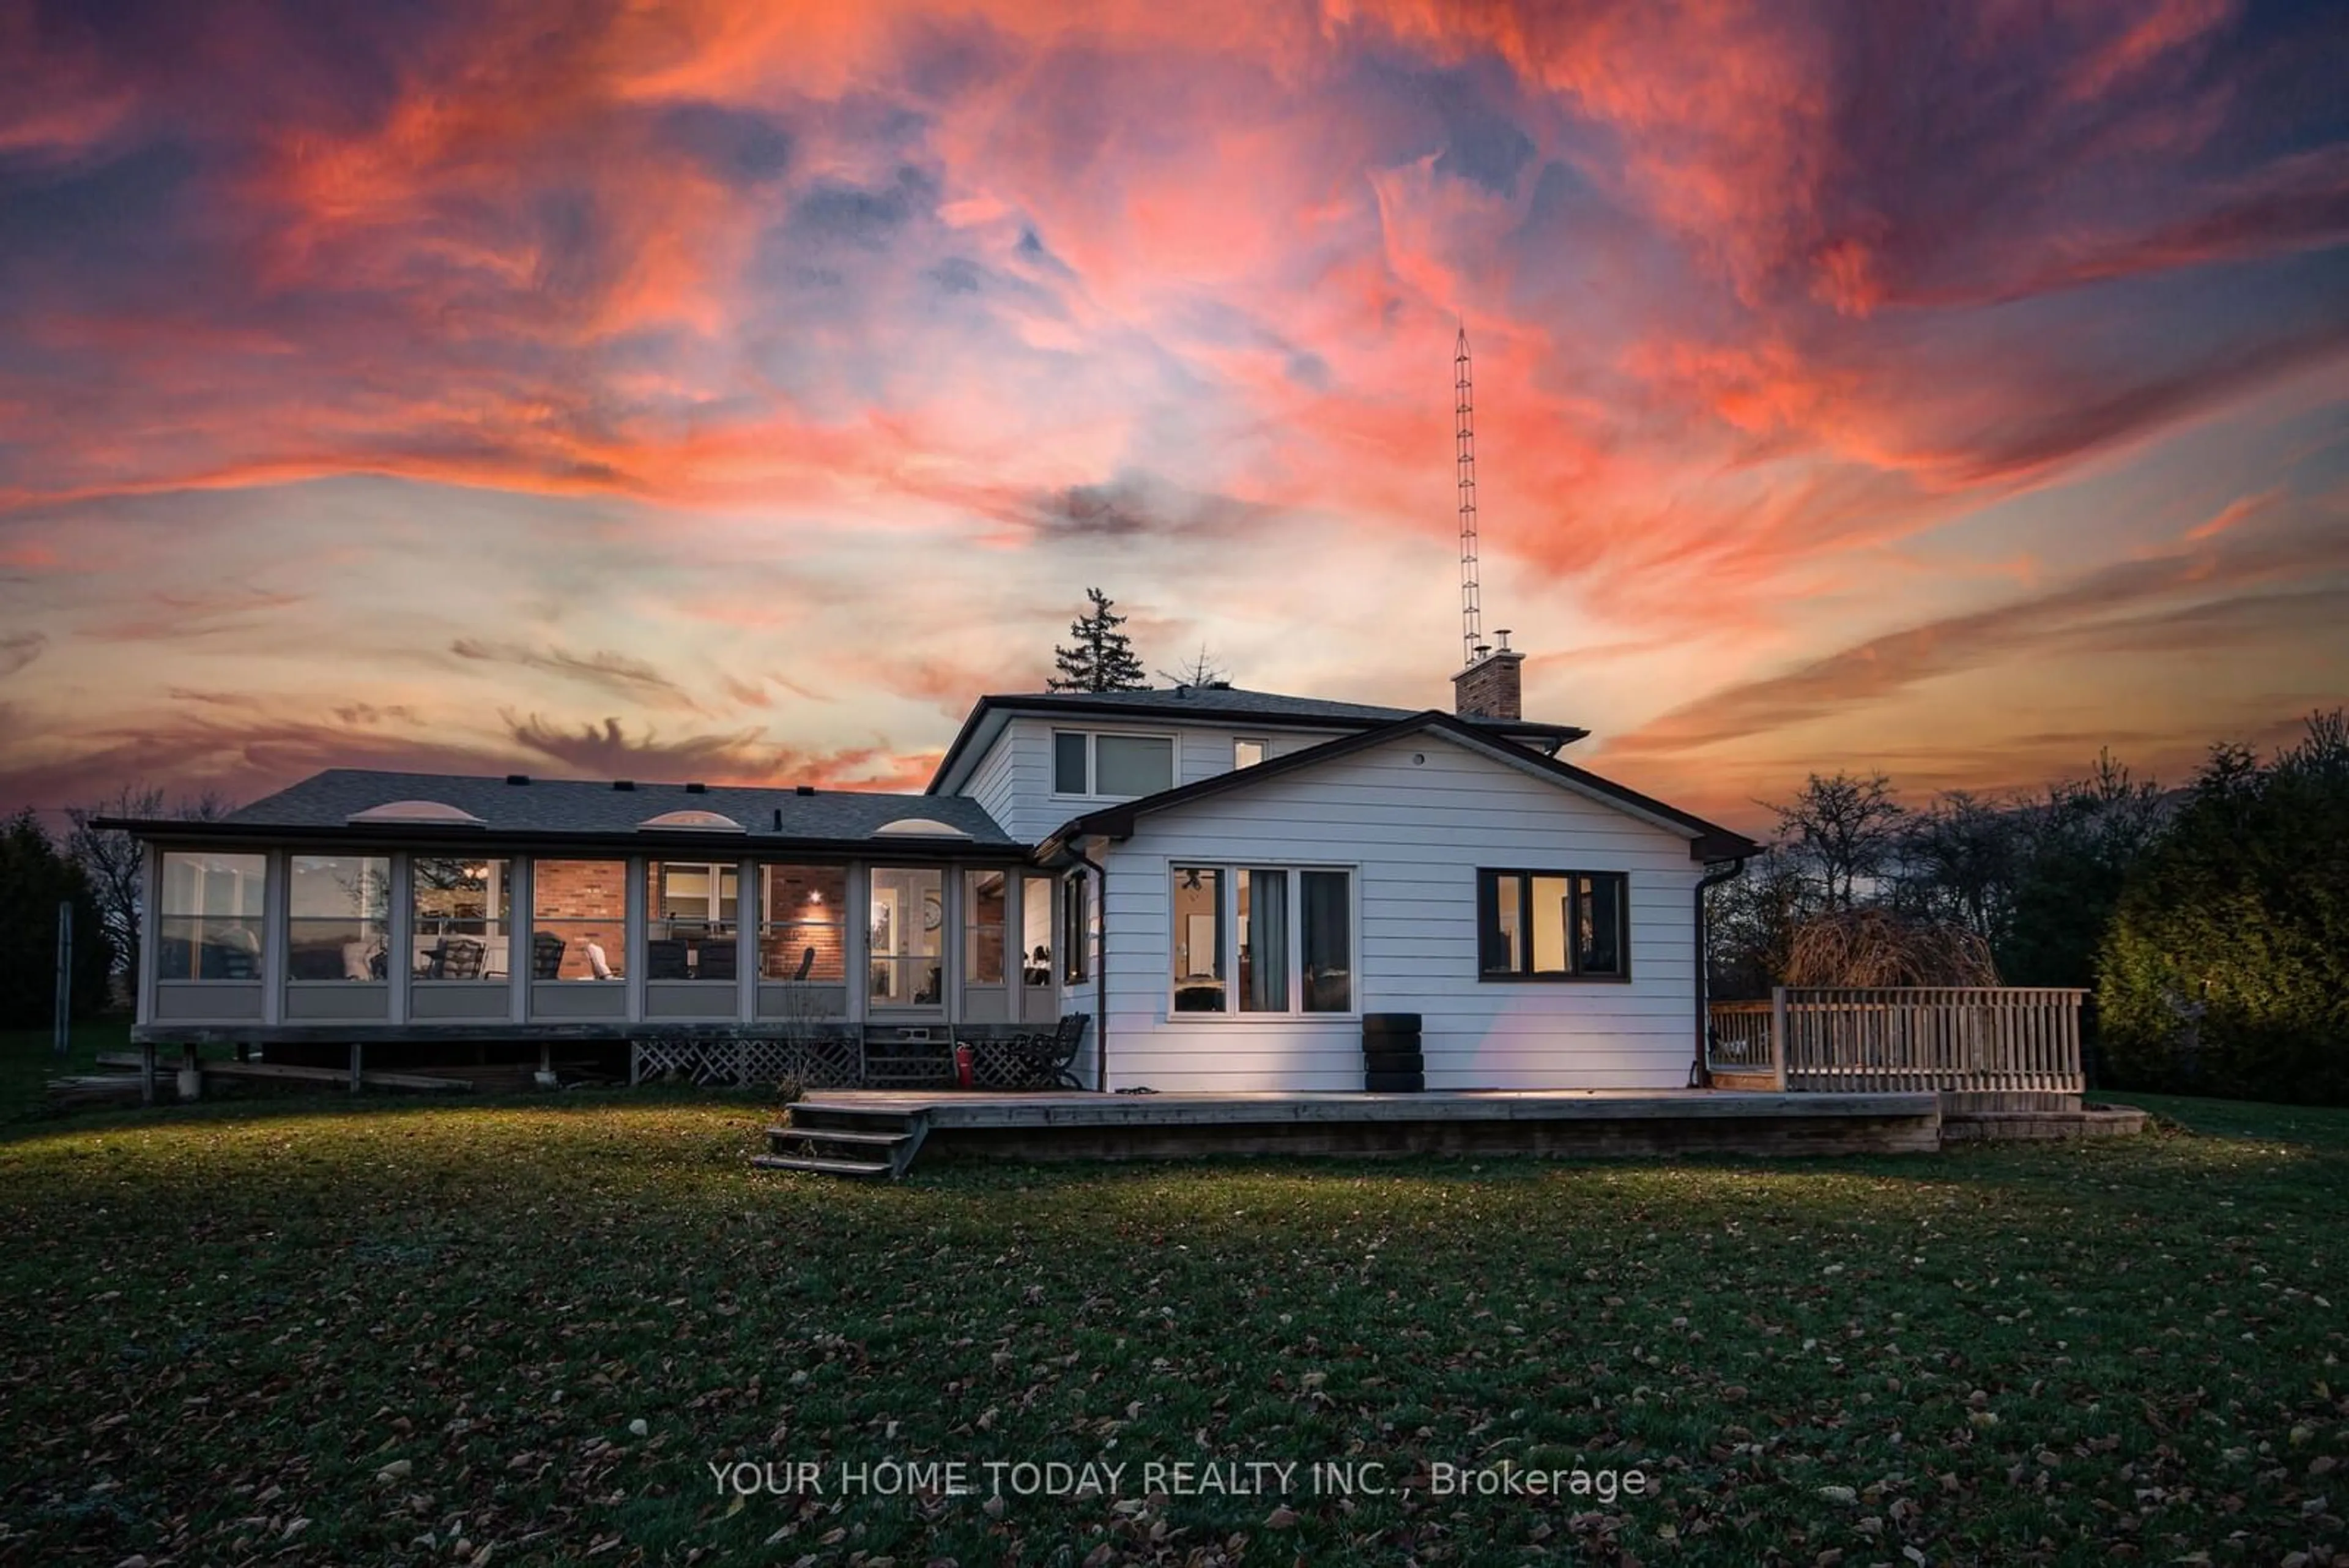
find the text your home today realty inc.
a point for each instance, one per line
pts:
(1168, 1478)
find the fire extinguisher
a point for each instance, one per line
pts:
(964, 1059)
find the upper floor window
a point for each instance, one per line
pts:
(1247, 754)
(1117, 767)
(1553, 925)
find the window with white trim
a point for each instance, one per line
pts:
(1249, 754)
(1255, 939)
(1110, 766)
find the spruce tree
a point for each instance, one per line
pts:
(1101, 658)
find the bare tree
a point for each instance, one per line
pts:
(1845, 830)
(112, 859)
(1751, 921)
(1203, 670)
(1960, 858)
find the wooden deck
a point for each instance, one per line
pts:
(879, 1132)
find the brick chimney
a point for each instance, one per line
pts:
(1493, 686)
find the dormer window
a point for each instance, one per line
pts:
(1110, 766)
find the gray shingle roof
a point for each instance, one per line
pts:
(1230, 704)
(570, 805)
(1206, 699)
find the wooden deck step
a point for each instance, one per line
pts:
(857, 1141)
(837, 1135)
(865, 1169)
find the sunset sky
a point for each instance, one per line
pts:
(733, 391)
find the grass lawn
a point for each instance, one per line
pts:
(27, 1062)
(305, 1332)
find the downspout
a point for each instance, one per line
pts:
(1101, 973)
(1700, 1073)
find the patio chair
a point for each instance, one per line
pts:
(1050, 1056)
(665, 960)
(455, 958)
(545, 956)
(716, 961)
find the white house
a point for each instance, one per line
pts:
(1232, 886)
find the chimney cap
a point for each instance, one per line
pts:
(1504, 634)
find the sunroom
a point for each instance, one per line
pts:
(410, 909)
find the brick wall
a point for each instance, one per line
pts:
(791, 922)
(582, 901)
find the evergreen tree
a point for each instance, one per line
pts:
(2225, 970)
(1101, 658)
(35, 878)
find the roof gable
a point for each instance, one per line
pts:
(1218, 705)
(1707, 840)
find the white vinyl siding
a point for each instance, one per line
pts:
(995, 783)
(1414, 833)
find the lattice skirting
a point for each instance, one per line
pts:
(831, 1061)
(817, 1062)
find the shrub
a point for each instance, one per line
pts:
(2226, 969)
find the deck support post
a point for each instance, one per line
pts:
(545, 1063)
(146, 1073)
(358, 1058)
(192, 1074)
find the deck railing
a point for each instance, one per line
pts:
(1739, 1041)
(1979, 1046)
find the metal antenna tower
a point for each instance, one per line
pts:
(1464, 456)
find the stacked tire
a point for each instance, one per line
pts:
(1392, 1062)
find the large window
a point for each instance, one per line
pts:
(208, 926)
(908, 929)
(985, 907)
(1552, 925)
(460, 916)
(579, 920)
(803, 923)
(1286, 934)
(691, 908)
(337, 917)
(1113, 767)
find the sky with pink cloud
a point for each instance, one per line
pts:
(735, 392)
